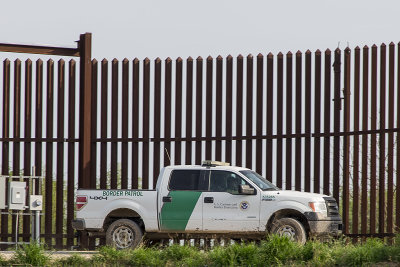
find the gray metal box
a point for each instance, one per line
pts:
(2, 192)
(35, 202)
(17, 195)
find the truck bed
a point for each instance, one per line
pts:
(101, 202)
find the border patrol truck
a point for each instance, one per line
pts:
(209, 201)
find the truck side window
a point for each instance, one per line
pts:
(184, 180)
(224, 181)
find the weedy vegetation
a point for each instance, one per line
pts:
(273, 251)
(30, 254)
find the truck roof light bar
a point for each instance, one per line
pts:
(210, 163)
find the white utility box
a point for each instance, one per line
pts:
(22, 193)
(17, 195)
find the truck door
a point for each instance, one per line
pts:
(224, 209)
(181, 207)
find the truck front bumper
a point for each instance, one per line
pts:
(318, 228)
(321, 225)
(79, 224)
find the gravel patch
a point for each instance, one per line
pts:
(54, 255)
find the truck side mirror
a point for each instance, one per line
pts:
(245, 189)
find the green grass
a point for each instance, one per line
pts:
(274, 251)
(73, 260)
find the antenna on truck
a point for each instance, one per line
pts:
(166, 151)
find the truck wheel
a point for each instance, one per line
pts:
(291, 228)
(123, 234)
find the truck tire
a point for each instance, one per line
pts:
(291, 228)
(124, 234)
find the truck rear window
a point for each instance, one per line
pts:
(185, 180)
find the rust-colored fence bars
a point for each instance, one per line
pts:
(325, 122)
(39, 133)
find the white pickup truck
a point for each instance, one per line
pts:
(206, 201)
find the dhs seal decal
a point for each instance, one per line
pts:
(244, 205)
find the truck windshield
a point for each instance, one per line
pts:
(260, 181)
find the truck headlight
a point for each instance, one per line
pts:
(318, 207)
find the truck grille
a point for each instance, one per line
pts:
(331, 206)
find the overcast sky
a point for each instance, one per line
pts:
(151, 28)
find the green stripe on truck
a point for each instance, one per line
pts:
(175, 214)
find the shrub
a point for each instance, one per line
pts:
(183, 256)
(111, 255)
(73, 260)
(372, 251)
(279, 250)
(318, 254)
(236, 255)
(32, 254)
(394, 250)
(146, 257)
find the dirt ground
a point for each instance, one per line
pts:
(53, 254)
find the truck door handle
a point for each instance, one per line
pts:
(167, 199)
(208, 200)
